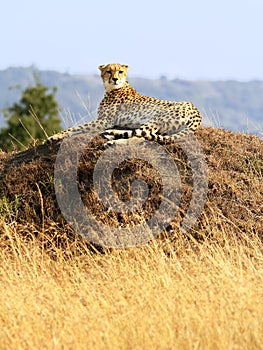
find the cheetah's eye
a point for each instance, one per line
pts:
(108, 71)
(120, 71)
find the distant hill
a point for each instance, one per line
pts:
(234, 105)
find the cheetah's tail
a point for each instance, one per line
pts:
(116, 134)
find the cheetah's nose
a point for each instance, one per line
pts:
(115, 80)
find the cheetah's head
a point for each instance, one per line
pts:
(113, 75)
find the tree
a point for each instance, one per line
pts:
(35, 116)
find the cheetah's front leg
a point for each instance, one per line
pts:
(92, 128)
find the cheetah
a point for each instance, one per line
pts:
(124, 113)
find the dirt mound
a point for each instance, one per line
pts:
(234, 198)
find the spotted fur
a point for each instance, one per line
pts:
(124, 113)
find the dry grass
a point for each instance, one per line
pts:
(188, 295)
(201, 291)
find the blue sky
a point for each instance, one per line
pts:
(186, 39)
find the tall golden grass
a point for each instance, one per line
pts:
(202, 291)
(164, 295)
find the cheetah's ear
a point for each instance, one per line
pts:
(125, 66)
(101, 67)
